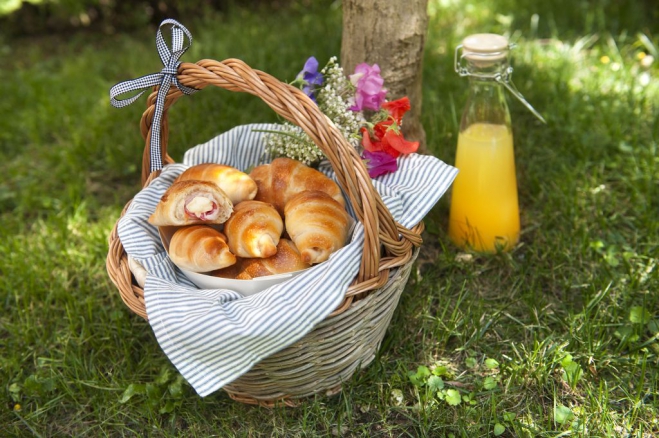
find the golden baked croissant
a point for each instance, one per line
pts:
(287, 259)
(200, 248)
(254, 229)
(284, 178)
(237, 185)
(317, 224)
(192, 202)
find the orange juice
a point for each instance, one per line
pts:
(484, 208)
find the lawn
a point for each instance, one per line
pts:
(559, 337)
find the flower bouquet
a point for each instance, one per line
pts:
(357, 106)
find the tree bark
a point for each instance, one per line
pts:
(392, 34)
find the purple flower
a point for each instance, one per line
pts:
(369, 94)
(310, 77)
(379, 163)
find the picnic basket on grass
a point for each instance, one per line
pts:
(348, 339)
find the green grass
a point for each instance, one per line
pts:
(570, 316)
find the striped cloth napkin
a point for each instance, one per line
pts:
(215, 336)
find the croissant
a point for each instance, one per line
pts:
(284, 178)
(317, 224)
(236, 184)
(230, 272)
(287, 259)
(192, 202)
(200, 248)
(254, 229)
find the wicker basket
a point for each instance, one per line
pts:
(348, 338)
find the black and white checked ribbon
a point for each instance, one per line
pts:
(165, 78)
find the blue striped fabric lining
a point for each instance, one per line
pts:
(215, 336)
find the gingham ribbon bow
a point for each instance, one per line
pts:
(164, 78)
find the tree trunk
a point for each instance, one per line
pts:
(392, 34)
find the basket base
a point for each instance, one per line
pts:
(329, 355)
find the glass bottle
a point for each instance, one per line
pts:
(484, 211)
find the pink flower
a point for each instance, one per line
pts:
(369, 94)
(379, 163)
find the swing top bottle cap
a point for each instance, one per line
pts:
(485, 47)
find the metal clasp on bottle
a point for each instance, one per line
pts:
(503, 77)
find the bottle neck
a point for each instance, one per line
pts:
(487, 92)
(485, 86)
(487, 100)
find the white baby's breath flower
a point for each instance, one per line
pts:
(291, 141)
(334, 99)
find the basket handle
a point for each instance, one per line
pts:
(293, 105)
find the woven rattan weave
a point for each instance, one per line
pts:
(347, 339)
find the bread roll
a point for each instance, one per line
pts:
(237, 185)
(200, 248)
(317, 224)
(284, 178)
(254, 229)
(230, 272)
(192, 202)
(287, 259)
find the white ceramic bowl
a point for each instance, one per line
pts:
(243, 287)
